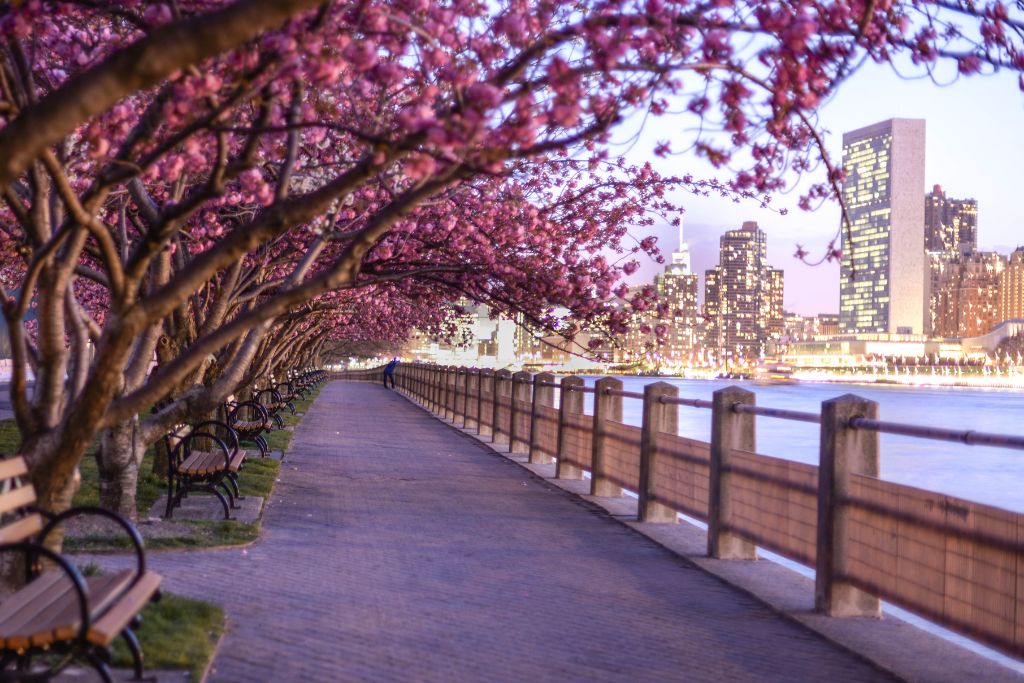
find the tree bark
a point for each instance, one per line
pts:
(119, 459)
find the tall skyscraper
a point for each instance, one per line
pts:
(743, 295)
(950, 225)
(1011, 287)
(883, 275)
(966, 303)
(677, 290)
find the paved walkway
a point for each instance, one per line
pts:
(398, 549)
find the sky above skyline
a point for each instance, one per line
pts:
(974, 148)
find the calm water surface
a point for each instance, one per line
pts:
(988, 475)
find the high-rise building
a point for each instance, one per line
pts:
(883, 275)
(967, 302)
(950, 225)
(677, 292)
(1011, 287)
(743, 296)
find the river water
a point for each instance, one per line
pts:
(993, 476)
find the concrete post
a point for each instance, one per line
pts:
(445, 391)
(439, 390)
(606, 407)
(844, 452)
(431, 381)
(542, 396)
(658, 417)
(484, 408)
(467, 383)
(452, 392)
(522, 388)
(459, 408)
(470, 398)
(502, 392)
(729, 431)
(569, 402)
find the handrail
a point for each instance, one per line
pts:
(780, 413)
(626, 394)
(968, 436)
(691, 402)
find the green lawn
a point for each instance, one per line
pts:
(176, 633)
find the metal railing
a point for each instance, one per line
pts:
(867, 539)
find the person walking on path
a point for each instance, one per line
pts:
(389, 373)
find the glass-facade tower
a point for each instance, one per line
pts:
(883, 273)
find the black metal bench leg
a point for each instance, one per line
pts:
(101, 667)
(220, 496)
(170, 498)
(227, 492)
(233, 480)
(263, 445)
(132, 641)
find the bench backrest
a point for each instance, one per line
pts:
(17, 495)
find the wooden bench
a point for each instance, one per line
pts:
(203, 456)
(250, 420)
(58, 612)
(275, 404)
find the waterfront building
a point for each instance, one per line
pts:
(967, 301)
(950, 225)
(742, 296)
(883, 275)
(1011, 287)
(828, 324)
(677, 295)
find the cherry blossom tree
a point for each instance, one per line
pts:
(198, 181)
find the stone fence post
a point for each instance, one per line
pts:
(606, 407)
(502, 389)
(484, 408)
(729, 431)
(658, 417)
(844, 452)
(522, 387)
(570, 402)
(543, 396)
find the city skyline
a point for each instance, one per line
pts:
(972, 152)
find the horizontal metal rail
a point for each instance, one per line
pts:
(969, 437)
(780, 413)
(625, 394)
(692, 402)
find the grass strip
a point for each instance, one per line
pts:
(176, 633)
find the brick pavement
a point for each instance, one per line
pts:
(398, 549)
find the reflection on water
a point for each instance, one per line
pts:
(984, 474)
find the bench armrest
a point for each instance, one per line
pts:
(259, 407)
(32, 550)
(228, 429)
(130, 530)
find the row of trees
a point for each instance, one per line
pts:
(236, 188)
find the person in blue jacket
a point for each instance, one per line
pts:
(389, 373)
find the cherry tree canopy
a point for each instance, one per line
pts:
(206, 169)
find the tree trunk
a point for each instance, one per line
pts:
(119, 458)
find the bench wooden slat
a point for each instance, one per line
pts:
(102, 591)
(17, 498)
(34, 601)
(236, 461)
(13, 467)
(108, 627)
(18, 531)
(15, 609)
(62, 617)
